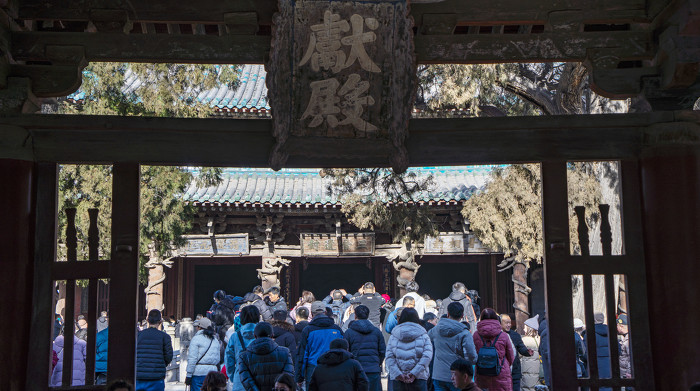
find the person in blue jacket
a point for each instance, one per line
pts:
(101, 351)
(315, 340)
(238, 343)
(367, 345)
(392, 318)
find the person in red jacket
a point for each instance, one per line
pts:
(489, 333)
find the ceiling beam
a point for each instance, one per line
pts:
(247, 143)
(212, 11)
(252, 49)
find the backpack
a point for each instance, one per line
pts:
(487, 361)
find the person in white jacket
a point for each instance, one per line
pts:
(203, 355)
(409, 353)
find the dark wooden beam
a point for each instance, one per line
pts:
(212, 11)
(79, 270)
(247, 143)
(123, 272)
(249, 49)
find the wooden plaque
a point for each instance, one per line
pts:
(341, 70)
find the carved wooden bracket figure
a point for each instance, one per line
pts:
(404, 262)
(270, 271)
(341, 72)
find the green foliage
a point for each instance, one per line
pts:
(165, 90)
(469, 87)
(507, 215)
(379, 199)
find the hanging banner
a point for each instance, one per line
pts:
(341, 70)
(204, 245)
(327, 244)
(445, 244)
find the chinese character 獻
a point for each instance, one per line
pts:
(324, 44)
(324, 50)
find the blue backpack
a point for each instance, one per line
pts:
(487, 361)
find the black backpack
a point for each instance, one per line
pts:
(487, 363)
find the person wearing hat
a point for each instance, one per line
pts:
(315, 340)
(623, 339)
(462, 374)
(581, 357)
(101, 349)
(530, 366)
(203, 355)
(263, 361)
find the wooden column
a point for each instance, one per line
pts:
(123, 271)
(16, 253)
(670, 174)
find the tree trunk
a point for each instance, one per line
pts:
(522, 291)
(154, 290)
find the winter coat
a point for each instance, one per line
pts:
(337, 371)
(315, 340)
(451, 341)
(101, 351)
(602, 352)
(222, 314)
(283, 334)
(366, 344)
(391, 320)
(625, 364)
(466, 302)
(261, 364)
(521, 350)
(279, 305)
(338, 307)
(253, 299)
(154, 351)
(102, 323)
(409, 351)
(374, 302)
(486, 331)
(420, 303)
(205, 350)
(530, 366)
(298, 328)
(234, 350)
(82, 333)
(79, 354)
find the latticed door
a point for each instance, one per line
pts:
(605, 272)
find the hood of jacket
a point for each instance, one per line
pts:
(601, 330)
(251, 297)
(447, 327)
(408, 331)
(102, 323)
(362, 326)
(299, 326)
(457, 296)
(488, 328)
(228, 303)
(334, 357)
(262, 346)
(322, 321)
(247, 330)
(280, 327)
(271, 303)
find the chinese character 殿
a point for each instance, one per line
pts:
(325, 103)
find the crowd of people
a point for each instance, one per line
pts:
(348, 342)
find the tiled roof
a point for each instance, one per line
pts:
(250, 95)
(306, 186)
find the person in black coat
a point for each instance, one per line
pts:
(154, 351)
(263, 361)
(520, 348)
(283, 333)
(222, 313)
(366, 343)
(372, 300)
(338, 371)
